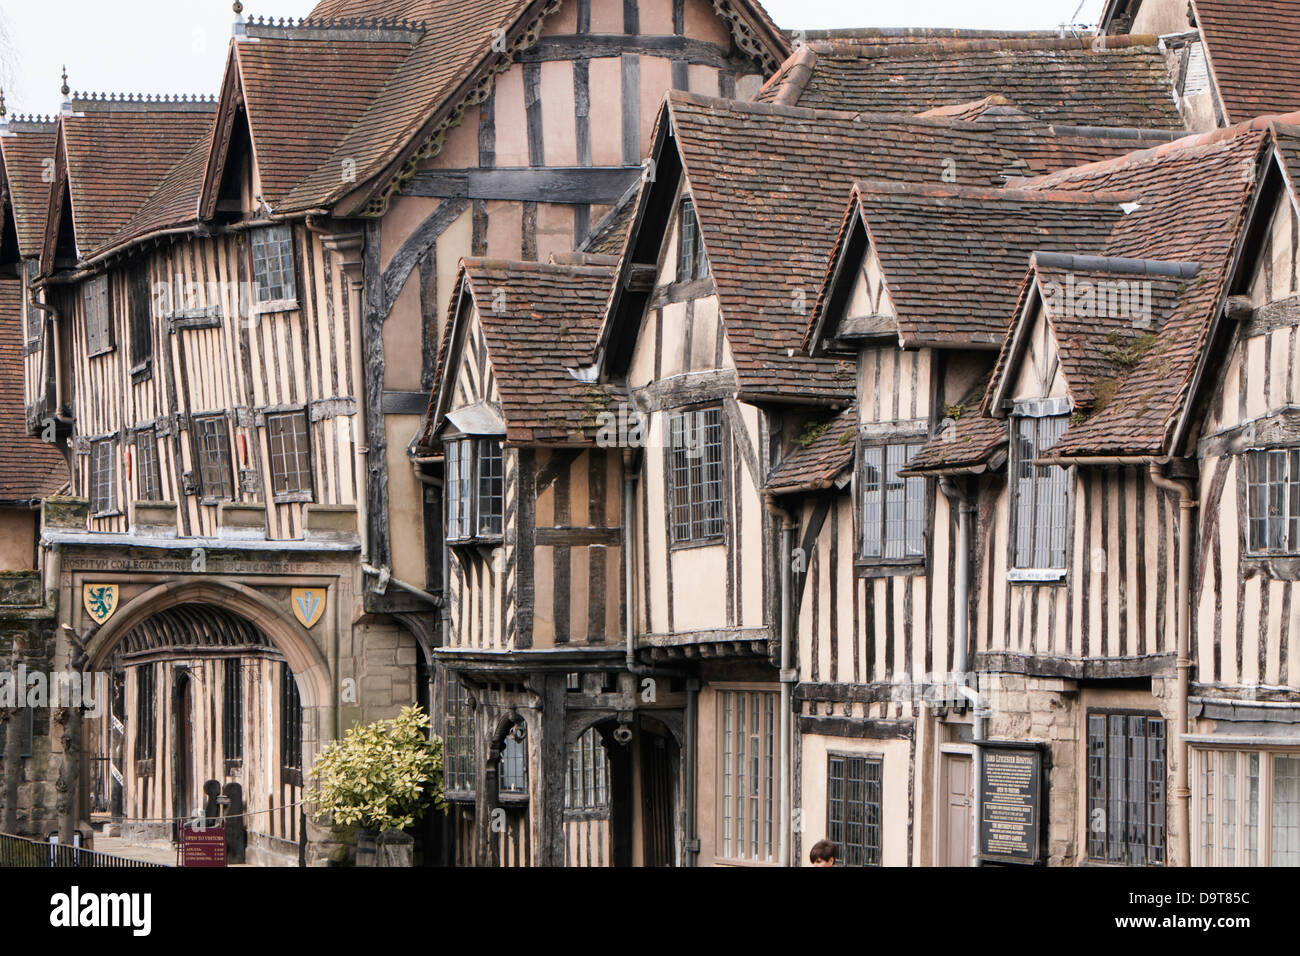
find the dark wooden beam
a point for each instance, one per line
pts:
(604, 185)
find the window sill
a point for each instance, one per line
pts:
(513, 799)
(272, 306)
(482, 541)
(718, 541)
(1036, 575)
(874, 568)
(292, 497)
(102, 352)
(105, 514)
(142, 372)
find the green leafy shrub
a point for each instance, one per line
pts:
(383, 776)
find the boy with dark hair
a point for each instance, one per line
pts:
(823, 853)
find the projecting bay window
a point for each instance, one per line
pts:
(273, 274)
(892, 508)
(747, 805)
(103, 487)
(1273, 500)
(286, 434)
(211, 434)
(1039, 499)
(475, 489)
(853, 808)
(148, 473)
(1247, 808)
(94, 306)
(459, 736)
(695, 463)
(290, 729)
(691, 261)
(1126, 789)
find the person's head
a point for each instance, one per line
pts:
(823, 853)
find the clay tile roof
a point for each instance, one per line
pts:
(1123, 82)
(1287, 138)
(1252, 52)
(118, 153)
(953, 256)
(25, 150)
(29, 467)
(970, 442)
(768, 184)
(305, 90)
(819, 458)
(546, 323)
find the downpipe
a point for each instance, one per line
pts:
(788, 675)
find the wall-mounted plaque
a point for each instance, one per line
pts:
(1011, 789)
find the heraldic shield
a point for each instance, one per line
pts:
(100, 601)
(308, 605)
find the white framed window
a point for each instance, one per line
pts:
(1273, 500)
(893, 508)
(1247, 809)
(475, 489)
(698, 512)
(747, 804)
(1039, 494)
(273, 273)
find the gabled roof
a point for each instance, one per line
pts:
(1083, 81)
(112, 154)
(820, 458)
(31, 468)
(540, 321)
(952, 255)
(768, 184)
(1251, 46)
(27, 151)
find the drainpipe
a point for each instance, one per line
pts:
(1186, 517)
(788, 674)
(956, 493)
(386, 578)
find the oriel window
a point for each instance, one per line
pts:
(893, 508)
(212, 456)
(475, 489)
(691, 261)
(698, 513)
(94, 304)
(103, 493)
(273, 273)
(290, 457)
(1039, 494)
(148, 472)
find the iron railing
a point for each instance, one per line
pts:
(16, 851)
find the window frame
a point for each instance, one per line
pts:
(197, 439)
(513, 764)
(139, 322)
(97, 316)
(706, 530)
(1032, 570)
(146, 706)
(1290, 521)
(909, 445)
(148, 468)
(733, 809)
(232, 713)
(692, 263)
(260, 239)
(464, 493)
(461, 776)
(587, 775)
(847, 856)
(1103, 799)
(33, 320)
(103, 503)
(291, 715)
(1266, 794)
(303, 485)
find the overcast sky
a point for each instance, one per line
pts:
(179, 46)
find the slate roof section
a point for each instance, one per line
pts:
(548, 322)
(119, 152)
(1252, 48)
(27, 149)
(769, 184)
(29, 467)
(953, 256)
(815, 464)
(1077, 81)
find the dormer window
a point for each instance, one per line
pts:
(691, 263)
(1039, 495)
(273, 274)
(475, 489)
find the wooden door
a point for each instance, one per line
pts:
(657, 803)
(957, 779)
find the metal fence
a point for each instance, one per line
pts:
(16, 851)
